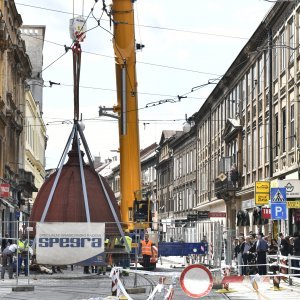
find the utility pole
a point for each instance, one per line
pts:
(270, 100)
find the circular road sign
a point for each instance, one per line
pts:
(196, 281)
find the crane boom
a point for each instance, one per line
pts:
(127, 107)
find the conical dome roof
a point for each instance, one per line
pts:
(67, 204)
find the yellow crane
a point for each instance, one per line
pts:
(127, 108)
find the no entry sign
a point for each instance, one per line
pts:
(196, 281)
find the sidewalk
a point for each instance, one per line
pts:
(243, 291)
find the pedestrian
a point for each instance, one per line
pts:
(23, 253)
(7, 260)
(147, 251)
(273, 247)
(6, 241)
(238, 254)
(245, 247)
(261, 250)
(203, 256)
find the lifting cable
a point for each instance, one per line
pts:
(76, 49)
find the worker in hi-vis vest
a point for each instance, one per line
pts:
(147, 251)
(23, 254)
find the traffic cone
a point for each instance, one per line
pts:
(114, 284)
(276, 281)
(226, 273)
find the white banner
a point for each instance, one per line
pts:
(70, 243)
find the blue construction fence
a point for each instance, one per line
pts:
(182, 249)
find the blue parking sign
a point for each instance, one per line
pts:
(278, 211)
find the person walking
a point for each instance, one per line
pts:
(6, 241)
(23, 248)
(7, 260)
(147, 251)
(245, 247)
(261, 250)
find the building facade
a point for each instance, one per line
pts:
(15, 67)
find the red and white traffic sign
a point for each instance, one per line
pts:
(196, 281)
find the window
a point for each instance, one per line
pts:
(260, 75)
(292, 128)
(283, 50)
(248, 86)
(267, 150)
(254, 148)
(260, 145)
(187, 163)
(284, 130)
(249, 151)
(276, 136)
(254, 82)
(266, 69)
(243, 93)
(275, 60)
(291, 40)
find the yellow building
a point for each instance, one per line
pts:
(35, 140)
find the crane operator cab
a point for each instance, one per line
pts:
(141, 210)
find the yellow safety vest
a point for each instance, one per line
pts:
(22, 246)
(129, 242)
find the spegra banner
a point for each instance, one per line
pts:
(70, 243)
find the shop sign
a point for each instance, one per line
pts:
(292, 187)
(180, 223)
(192, 218)
(217, 214)
(266, 213)
(203, 214)
(297, 216)
(246, 204)
(4, 190)
(293, 204)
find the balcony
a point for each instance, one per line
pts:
(26, 181)
(229, 180)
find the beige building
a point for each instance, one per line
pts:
(249, 132)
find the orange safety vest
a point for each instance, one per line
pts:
(147, 248)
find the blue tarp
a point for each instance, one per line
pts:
(181, 249)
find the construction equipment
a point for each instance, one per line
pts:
(134, 209)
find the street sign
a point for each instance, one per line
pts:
(293, 204)
(4, 190)
(262, 187)
(262, 192)
(278, 211)
(196, 281)
(262, 199)
(278, 195)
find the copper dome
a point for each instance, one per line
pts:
(67, 204)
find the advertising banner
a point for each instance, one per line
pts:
(59, 243)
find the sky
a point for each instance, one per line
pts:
(186, 43)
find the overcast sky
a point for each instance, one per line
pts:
(186, 44)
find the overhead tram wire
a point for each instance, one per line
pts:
(139, 62)
(145, 26)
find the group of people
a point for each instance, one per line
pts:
(251, 251)
(9, 249)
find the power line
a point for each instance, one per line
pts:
(147, 26)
